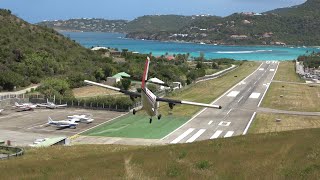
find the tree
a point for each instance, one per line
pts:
(215, 65)
(55, 87)
(126, 83)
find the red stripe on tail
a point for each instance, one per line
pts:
(145, 73)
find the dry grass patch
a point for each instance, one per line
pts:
(295, 97)
(284, 155)
(89, 91)
(266, 122)
(286, 72)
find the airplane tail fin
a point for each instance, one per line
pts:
(49, 119)
(145, 73)
(16, 104)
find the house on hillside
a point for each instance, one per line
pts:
(116, 78)
(238, 37)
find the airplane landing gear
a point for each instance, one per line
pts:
(134, 111)
(159, 116)
(150, 120)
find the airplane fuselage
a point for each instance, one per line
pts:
(149, 103)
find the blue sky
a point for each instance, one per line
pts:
(39, 10)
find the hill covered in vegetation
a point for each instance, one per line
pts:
(284, 155)
(30, 53)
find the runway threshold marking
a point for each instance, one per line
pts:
(255, 95)
(224, 123)
(196, 135)
(271, 70)
(210, 122)
(229, 134)
(216, 134)
(261, 69)
(183, 135)
(233, 93)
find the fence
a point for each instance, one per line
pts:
(84, 104)
(18, 152)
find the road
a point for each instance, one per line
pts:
(238, 106)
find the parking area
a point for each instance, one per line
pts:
(22, 128)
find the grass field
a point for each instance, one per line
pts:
(284, 155)
(296, 97)
(266, 122)
(286, 72)
(89, 91)
(138, 126)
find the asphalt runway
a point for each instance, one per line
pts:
(22, 128)
(238, 109)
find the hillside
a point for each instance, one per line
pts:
(87, 25)
(30, 53)
(285, 155)
(297, 25)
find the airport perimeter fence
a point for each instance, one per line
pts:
(15, 152)
(85, 104)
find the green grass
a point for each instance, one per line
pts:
(286, 72)
(138, 126)
(266, 122)
(295, 97)
(281, 155)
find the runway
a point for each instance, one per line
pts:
(239, 105)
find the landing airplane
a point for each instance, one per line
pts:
(81, 118)
(25, 106)
(62, 123)
(150, 102)
(51, 105)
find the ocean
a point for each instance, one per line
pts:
(157, 48)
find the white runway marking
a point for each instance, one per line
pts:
(233, 94)
(210, 122)
(271, 70)
(229, 111)
(240, 99)
(229, 134)
(224, 123)
(261, 69)
(185, 134)
(216, 134)
(241, 83)
(196, 135)
(268, 62)
(254, 95)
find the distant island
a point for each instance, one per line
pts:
(297, 25)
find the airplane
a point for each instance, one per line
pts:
(149, 101)
(81, 118)
(25, 106)
(51, 105)
(62, 123)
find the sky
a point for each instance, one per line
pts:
(38, 10)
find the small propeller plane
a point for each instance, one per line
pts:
(51, 105)
(81, 118)
(150, 102)
(25, 106)
(68, 123)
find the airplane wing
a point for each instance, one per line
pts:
(173, 102)
(62, 105)
(130, 93)
(42, 105)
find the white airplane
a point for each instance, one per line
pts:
(25, 106)
(81, 118)
(51, 105)
(150, 102)
(62, 123)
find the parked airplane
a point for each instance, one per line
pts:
(150, 102)
(25, 106)
(51, 105)
(62, 123)
(81, 118)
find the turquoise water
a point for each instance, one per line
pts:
(115, 40)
